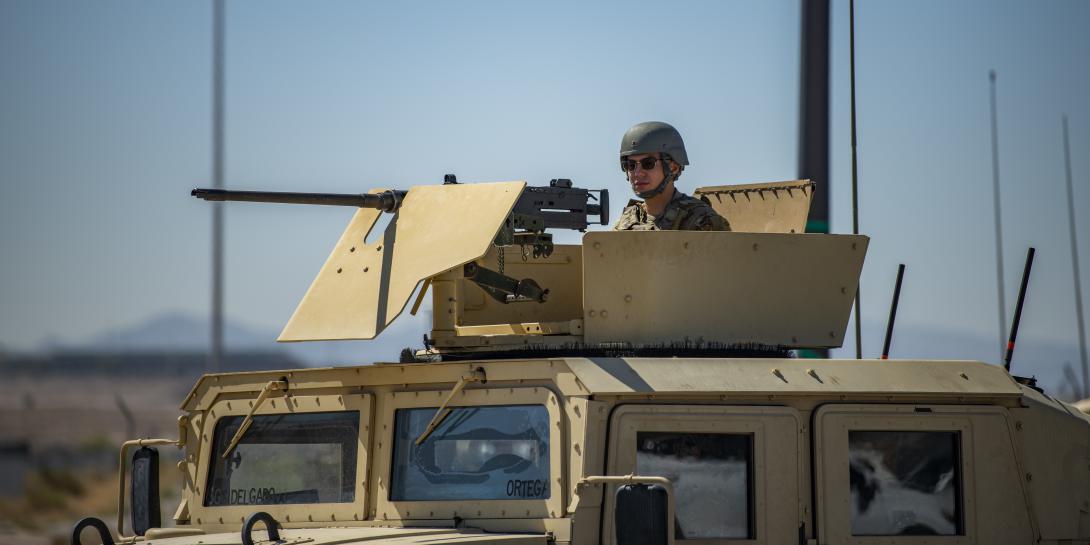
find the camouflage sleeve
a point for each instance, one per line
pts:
(704, 218)
(627, 219)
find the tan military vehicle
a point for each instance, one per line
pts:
(635, 389)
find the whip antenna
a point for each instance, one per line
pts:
(998, 222)
(893, 311)
(1018, 310)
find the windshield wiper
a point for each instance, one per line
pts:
(442, 412)
(272, 386)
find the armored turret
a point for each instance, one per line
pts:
(762, 289)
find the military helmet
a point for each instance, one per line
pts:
(654, 137)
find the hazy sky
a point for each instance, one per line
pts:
(105, 126)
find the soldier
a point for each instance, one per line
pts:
(652, 157)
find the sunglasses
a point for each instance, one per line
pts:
(647, 163)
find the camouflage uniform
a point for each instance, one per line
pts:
(683, 213)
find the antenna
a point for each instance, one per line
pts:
(1084, 391)
(998, 222)
(1018, 310)
(893, 311)
(855, 179)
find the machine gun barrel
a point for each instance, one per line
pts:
(387, 201)
(556, 206)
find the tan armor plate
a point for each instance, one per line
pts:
(362, 287)
(665, 287)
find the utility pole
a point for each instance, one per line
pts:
(814, 116)
(215, 359)
(814, 109)
(855, 181)
(1084, 390)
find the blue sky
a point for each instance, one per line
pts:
(105, 126)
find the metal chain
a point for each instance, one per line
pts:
(499, 258)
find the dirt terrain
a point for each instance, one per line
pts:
(59, 438)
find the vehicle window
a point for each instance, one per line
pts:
(905, 483)
(284, 459)
(711, 474)
(478, 453)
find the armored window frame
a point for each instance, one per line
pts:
(992, 509)
(551, 507)
(341, 428)
(774, 481)
(234, 404)
(451, 463)
(747, 490)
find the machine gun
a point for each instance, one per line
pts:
(556, 206)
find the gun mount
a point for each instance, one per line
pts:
(556, 206)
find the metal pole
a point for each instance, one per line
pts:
(1018, 310)
(814, 117)
(1085, 389)
(855, 180)
(893, 311)
(215, 360)
(814, 108)
(998, 219)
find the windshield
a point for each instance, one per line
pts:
(286, 458)
(478, 453)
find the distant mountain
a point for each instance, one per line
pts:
(178, 331)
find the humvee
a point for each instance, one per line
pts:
(644, 389)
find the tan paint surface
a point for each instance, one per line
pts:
(362, 288)
(776, 207)
(561, 274)
(1055, 444)
(671, 286)
(675, 376)
(780, 377)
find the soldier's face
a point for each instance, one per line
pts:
(645, 180)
